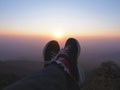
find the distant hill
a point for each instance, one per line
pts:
(20, 67)
(13, 70)
(106, 76)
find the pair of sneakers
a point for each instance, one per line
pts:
(70, 53)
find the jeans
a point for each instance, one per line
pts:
(52, 77)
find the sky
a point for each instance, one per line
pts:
(70, 17)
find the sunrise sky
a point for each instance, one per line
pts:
(66, 17)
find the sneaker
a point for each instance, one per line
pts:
(50, 51)
(72, 48)
(71, 53)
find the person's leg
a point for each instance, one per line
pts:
(50, 78)
(51, 53)
(70, 54)
(68, 58)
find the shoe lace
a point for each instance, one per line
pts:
(65, 50)
(53, 54)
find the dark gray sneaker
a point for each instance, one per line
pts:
(71, 53)
(50, 51)
(72, 48)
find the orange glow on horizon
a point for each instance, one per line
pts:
(60, 35)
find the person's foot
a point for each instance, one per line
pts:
(72, 47)
(71, 52)
(50, 51)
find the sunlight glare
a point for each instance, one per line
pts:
(58, 34)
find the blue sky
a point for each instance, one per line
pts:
(83, 17)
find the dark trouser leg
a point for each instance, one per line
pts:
(53, 77)
(50, 78)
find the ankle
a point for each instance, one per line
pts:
(65, 64)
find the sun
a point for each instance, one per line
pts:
(58, 34)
